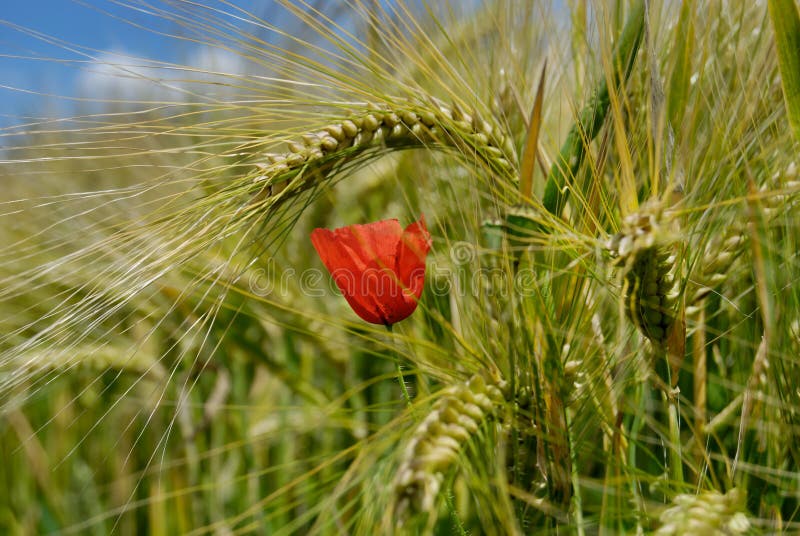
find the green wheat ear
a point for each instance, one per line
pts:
(435, 444)
(646, 251)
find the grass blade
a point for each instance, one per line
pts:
(786, 23)
(532, 143)
(593, 115)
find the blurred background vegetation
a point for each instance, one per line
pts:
(170, 365)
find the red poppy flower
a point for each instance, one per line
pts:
(379, 267)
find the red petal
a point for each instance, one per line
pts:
(362, 260)
(345, 267)
(411, 253)
(375, 243)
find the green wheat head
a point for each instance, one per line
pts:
(646, 251)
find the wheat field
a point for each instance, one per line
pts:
(608, 335)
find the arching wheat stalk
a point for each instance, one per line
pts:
(433, 125)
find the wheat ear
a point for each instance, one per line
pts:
(436, 443)
(433, 124)
(710, 512)
(646, 252)
(716, 264)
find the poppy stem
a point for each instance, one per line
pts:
(400, 377)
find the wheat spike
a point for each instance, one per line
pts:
(431, 124)
(435, 444)
(719, 256)
(710, 513)
(645, 250)
(95, 357)
(716, 264)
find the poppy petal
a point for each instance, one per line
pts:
(374, 243)
(411, 252)
(379, 267)
(346, 267)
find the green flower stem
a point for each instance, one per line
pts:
(402, 380)
(674, 439)
(672, 412)
(400, 377)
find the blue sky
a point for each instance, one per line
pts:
(84, 29)
(66, 20)
(68, 49)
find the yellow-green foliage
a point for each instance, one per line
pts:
(175, 360)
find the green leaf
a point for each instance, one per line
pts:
(591, 118)
(786, 23)
(681, 71)
(522, 223)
